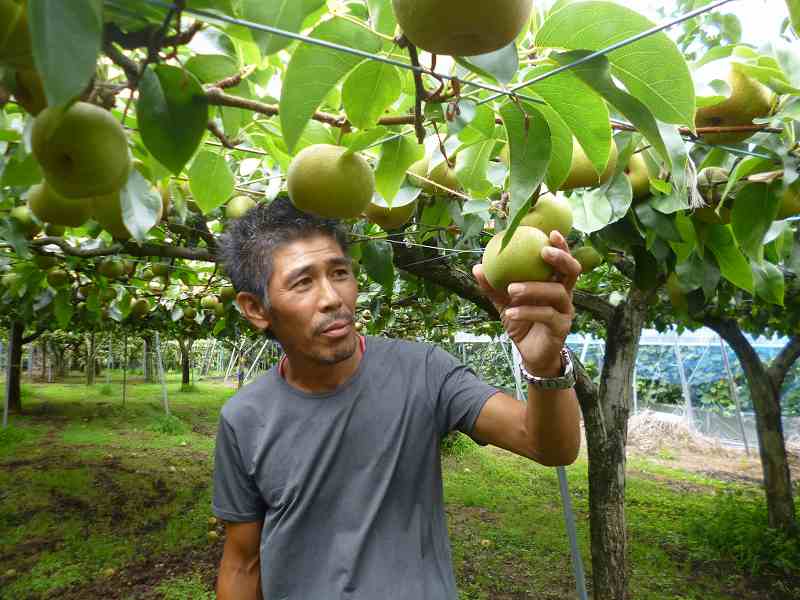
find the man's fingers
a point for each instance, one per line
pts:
(559, 257)
(498, 298)
(559, 323)
(541, 293)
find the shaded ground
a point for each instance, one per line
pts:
(97, 501)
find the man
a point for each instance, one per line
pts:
(327, 470)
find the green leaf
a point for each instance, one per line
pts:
(314, 71)
(769, 282)
(747, 167)
(530, 150)
(662, 225)
(368, 91)
(794, 14)
(141, 205)
(597, 75)
(753, 213)
(592, 211)
(382, 16)
(480, 127)
(582, 109)
(396, 157)
(172, 113)
(471, 165)
(652, 69)
(734, 266)
(377, 257)
(365, 139)
(63, 307)
(210, 68)
(66, 39)
(210, 180)
(501, 65)
(22, 170)
(281, 14)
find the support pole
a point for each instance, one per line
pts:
(108, 362)
(566, 500)
(734, 394)
(687, 394)
(124, 369)
(635, 393)
(255, 362)
(161, 373)
(232, 361)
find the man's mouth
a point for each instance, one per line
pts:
(339, 328)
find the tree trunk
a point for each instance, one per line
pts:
(186, 361)
(605, 413)
(14, 367)
(765, 395)
(43, 352)
(90, 352)
(147, 361)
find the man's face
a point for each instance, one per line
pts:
(313, 296)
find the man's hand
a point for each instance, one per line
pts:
(538, 315)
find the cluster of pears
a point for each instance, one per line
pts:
(462, 27)
(16, 54)
(521, 259)
(83, 153)
(749, 100)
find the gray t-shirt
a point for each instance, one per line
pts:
(348, 483)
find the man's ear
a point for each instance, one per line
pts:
(253, 310)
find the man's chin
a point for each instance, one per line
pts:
(341, 352)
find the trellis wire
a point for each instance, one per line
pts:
(337, 47)
(611, 48)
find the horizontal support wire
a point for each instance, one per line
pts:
(611, 48)
(209, 16)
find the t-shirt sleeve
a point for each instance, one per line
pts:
(236, 496)
(459, 394)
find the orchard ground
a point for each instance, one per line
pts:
(98, 500)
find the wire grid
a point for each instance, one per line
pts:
(512, 92)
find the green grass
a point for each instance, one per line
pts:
(88, 485)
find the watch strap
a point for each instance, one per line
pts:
(563, 382)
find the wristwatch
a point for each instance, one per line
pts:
(563, 382)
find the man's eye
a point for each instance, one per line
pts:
(342, 273)
(306, 281)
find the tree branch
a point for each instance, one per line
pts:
(425, 263)
(131, 248)
(598, 307)
(34, 336)
(144, 37)
(782, 363)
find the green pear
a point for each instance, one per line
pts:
(45, 262)
(238, 206)
(140, 307)
(107, 211)
(227, 294)
(209, 302)
(581, 171)
(27, 220)
(749, 100)
(328, 181)
(111, 268)
(189, 313)
(550, 213)
(57, 278)
(54, 230)
(639, 176)
(520, 260)
(711, 183)
(676, 294)
(50, 207)
(15, 38)
(29, 91)
(159, 269)
(390, 218)
(83, 151)
(462, 27)
(790, 202)
(588, 257)
(442, 174)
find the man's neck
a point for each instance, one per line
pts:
(312, 377)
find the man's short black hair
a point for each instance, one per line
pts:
(249, 243)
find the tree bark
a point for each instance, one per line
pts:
(14, 367)
(605, 413)
(90, 352)
(186, 361)
(147, 361)
(765, 395)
